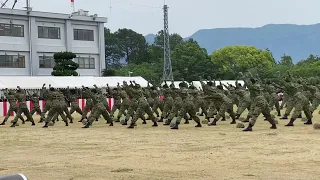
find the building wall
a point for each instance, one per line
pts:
(47, 47)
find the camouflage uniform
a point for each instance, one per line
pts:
(36, 106)
(244, 101)
(177, 106)
(168, 103)
(188, 107)
(226, 106)
(259, 104)
(143, 107)
(57, 108)
(157, 104)
(133, 104)
(23, 108)
(273, 98)
(13, 106)
(116, 100)
(124, 104)
(88, 107)
(74, 106)
(315, 97)
(98, 109)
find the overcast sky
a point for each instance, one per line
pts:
(188, 16)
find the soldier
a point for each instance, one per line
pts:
(133, 103)
(125, 101)
(188, 107)
(143, 107)
(273, 97)
(98, 109)
(23, 108)
(88, 107)
(72, 97)
(157, 104)
(36, 106)
(57, 107)
(299, 100)
(259, 103)
(46, 94)
(115, 94)
(13, 106)
(168, 101)
(226, 106)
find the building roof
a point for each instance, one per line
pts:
(74, 17)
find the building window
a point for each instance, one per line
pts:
(83, 35)
(85, 62)
(11, 30)
(46, 62)
(12, 61)
(48, 32)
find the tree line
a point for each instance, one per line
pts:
(127, 51)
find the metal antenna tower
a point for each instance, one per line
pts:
(167, 68)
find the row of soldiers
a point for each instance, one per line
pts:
(183, 102)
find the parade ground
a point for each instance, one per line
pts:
(103, 152)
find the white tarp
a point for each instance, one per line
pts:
(114, 80)
(36, 82)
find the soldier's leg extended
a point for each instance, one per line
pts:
(182, 112)
(298, 108)
(165, 113)
(7, 116)
(107, 117)
(129, 114)
(241, 108)
(84, 113)
(222, 111)
(315, 104)
(174, 112)
(290, 105)
(122, 111)
(95, 114)
(192, 111)
(65, 110)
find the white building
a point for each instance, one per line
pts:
(28, 40)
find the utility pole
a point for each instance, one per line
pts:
(167, 68)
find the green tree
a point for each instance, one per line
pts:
(112, 51)
(174, 39)
(235, 59)
(64, 64)
(286, 61)
(149, 71)
(189, 61)
(132, 46)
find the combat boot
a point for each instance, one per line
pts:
(161, 119)
(233, 121)
(285, 116)
(308, 122)
(249, 128)
(187, 122)
(3, 123)
(23, 122)
(155, 124)
(45, 125)
(81, 120)
(125, 122)
(111, 124)
(247, 119)
(14, 124)
(67, 124)
(274, 126)
(214, 123)
(32, 123)
(131, 126)
(87, 125)
(291, 122)
(175, 126)
(167, 123)
(118, 119)
(198, 125)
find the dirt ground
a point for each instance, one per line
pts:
(103, 152)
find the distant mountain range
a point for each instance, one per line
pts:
(298, 41)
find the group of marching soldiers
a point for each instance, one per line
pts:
(134, 102)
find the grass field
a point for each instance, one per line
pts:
(103, 152)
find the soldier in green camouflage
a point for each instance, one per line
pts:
(125, 101)
(23, 108)
(35, 101)
(259, 103)
(188, 107)
(73, 97)
(98, 109)
(273, 96)
(57, 107)
(115, 94)
(143, 107)
(168, 101)
(157, 104)
(13, 106)
(226, 105)
(131, 90)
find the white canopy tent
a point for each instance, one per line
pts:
(36, 82)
